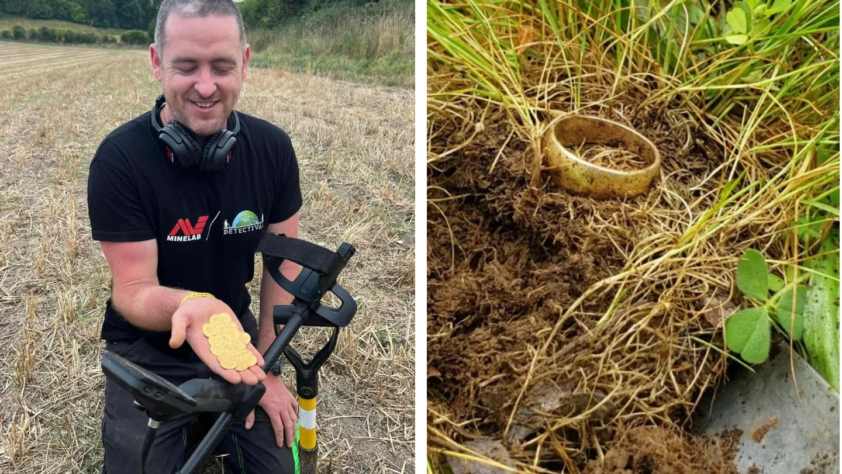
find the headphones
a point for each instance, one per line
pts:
(183, 149)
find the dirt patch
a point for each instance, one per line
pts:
(491, 449)
(506, 262)
(821, 464)
(760, 432)
(650, 450)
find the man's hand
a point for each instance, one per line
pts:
(187, 323)
(281, 408)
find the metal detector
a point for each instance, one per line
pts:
(162, 401)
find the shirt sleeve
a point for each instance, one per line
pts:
(288, 200)
(114, 203)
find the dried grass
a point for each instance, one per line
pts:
(638, 345)
(354, 145)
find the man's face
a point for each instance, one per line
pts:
(203, 63)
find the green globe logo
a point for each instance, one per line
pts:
(245, 218)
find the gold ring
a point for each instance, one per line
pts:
(583, 178)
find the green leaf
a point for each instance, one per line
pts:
(752, 275)
(823, 154)
(753, 76)
(778, 6)
(821, 311)
(776, 283)
(737, 39)
(822, 206)
(761, 27)
(759, 11)
(753, 3)
(746, 9)
(807, 227)
(747, 333)
(786, 316)
(736, 19)
(696, 14)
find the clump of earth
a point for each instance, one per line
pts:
(653, 450)
(505, 260)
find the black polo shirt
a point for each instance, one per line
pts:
(207, 225)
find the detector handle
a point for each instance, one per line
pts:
(320, 265)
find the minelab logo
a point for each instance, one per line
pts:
(245, 221)
(189, 232)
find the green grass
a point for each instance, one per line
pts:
(768, 108)
(771, 103)
(393, 70)
(373, 45)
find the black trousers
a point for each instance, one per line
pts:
(124, 426)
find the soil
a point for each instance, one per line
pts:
(760, 432)
(505, 260)
(821, 464)
(509, 278)
(651, 450)
(612, 157)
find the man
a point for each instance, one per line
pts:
(180, 239)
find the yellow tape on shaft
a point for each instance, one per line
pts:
(307, 403)
(307, 438)
(307, 422)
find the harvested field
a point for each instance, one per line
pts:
(355, 150)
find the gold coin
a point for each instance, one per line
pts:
(220, 318)
(227, 361)
(245, 337)
(231, 350)
(220, 345)
(243, 365)
(209, 329)
(245, 359)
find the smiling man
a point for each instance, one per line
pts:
(179, 198)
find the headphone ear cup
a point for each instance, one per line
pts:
(178, 152)
(187, 152)
(218, 149)
(209, 159)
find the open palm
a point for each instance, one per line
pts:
(187, 324)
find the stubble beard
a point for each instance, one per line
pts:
(201, 129)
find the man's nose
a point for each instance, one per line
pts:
(206, 86)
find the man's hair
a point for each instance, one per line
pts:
(195, 9)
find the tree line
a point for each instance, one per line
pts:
(68, 35)
(125, 14)
(141, 14)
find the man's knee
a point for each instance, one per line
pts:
(123, 430)
(256, 449)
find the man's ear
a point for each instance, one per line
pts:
(246, 57)
(156, 62)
